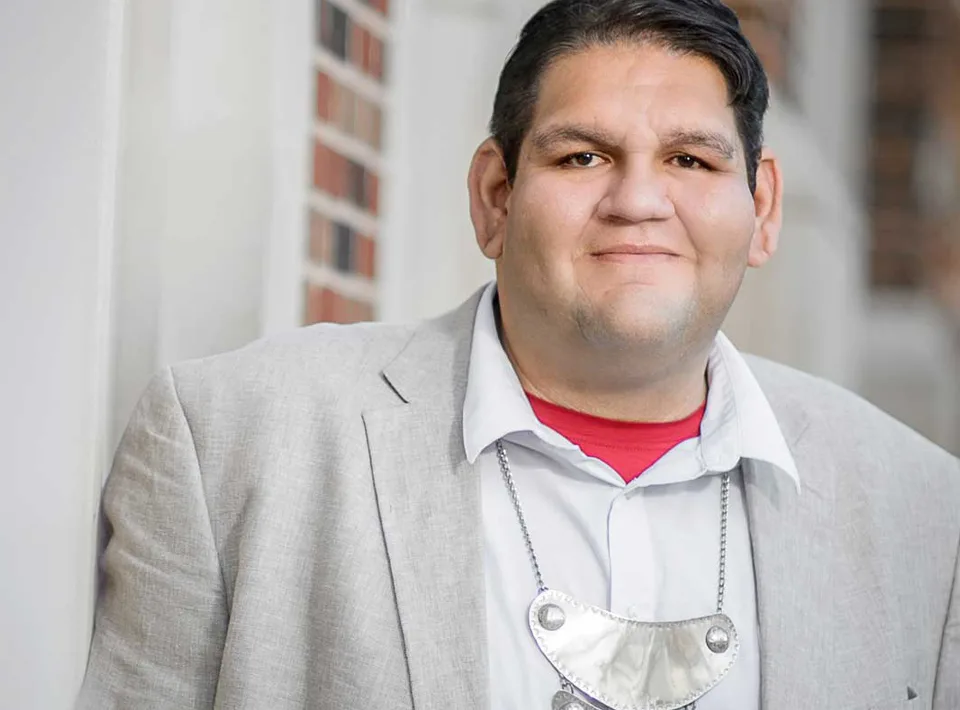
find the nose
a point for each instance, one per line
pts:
(636, 193)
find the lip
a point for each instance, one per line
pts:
(627, 250)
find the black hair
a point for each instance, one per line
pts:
(704, 28)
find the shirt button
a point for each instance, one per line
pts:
(632, 612)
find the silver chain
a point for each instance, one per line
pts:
(541, 587)
(512, 489)
(724, 505)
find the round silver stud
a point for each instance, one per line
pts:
(551, 617)
(718, 640)
(564, 700)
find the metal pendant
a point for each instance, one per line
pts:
(627, 664)
(563, 700)
(624, 663)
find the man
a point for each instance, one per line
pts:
(571, 492)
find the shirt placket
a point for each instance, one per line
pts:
(633, 569)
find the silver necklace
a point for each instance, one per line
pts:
(639, 670)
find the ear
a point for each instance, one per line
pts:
(768, 203)
(489, 192)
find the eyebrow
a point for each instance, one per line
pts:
(711, 140)
(714, 141)
(548, 139)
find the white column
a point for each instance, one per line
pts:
(59, 87)
(215, 172)
(806, 307)
(292, 81)
(443, 75)
(833, 83)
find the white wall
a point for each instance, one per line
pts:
(196, 181)
(154, 165)
(59, 88)
(428, 260)
(215, 163)
(833, 79)
(806, 307)
(911, 367)
(291, 121)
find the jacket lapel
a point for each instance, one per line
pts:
(821, 604)
(428, 497)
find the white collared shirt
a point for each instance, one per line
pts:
(647, 550)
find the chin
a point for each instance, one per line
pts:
(633, 328)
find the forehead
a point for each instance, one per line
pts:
(628, 87)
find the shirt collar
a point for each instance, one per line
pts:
(738, 423)
(495, 404)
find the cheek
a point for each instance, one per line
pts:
(552, 200)
(720, 222)
(549, 217)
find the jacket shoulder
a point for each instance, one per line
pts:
(838, 416)
(322, 359)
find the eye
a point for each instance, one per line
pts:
(688, 162)
(582, 160)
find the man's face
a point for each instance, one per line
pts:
(630, 218)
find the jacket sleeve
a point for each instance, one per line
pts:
(947, 690)
(161, 614)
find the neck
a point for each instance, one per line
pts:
(625, 386)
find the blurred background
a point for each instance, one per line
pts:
(179, 177)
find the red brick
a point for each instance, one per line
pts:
(324, 90)
(321, 166)
(336, 176)
(364, 312)
(356, 43)
(340, 177)
(323, 304)
(345, 310)
(329, 170)
(373, 193)
(376, 130)
(319, 304)
(365, 52)
(311, 305)
(769, 45)
(336, 99)
(334, 307)
(366, 256)
(325, 168)
(330, 300)
(361, 118)
(352, 311)
(375, 68)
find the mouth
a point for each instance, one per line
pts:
(634, 252)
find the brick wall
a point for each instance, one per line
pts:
(767, 24)
(914, 120)
(344, 210)
(915, 162)
(900, 112)
(942, 258)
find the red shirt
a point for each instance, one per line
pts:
(629, 448)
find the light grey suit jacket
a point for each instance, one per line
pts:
(295, 525)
